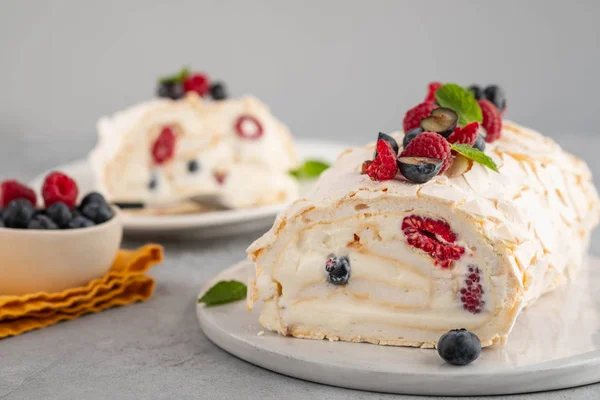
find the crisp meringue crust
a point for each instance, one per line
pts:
(244, 171)
(526, 228)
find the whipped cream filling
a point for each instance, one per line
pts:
(526, 229)
(246, 169)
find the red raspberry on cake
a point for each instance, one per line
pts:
(11, 190)
(413, 117)
(59, 187)
(465, 135)
(492, 120)
(431, 89)
(198, 83)
(432, 145)
(384, 167)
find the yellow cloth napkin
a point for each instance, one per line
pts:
(125, 283)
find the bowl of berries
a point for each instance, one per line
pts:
(60, 245)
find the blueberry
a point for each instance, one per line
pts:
(98, 213)
(170, 89)
(92, 197)
(18, 214)
(480, 143)
(193, 166)
(41, 221)
(389, 139)
(459, 347)
(338, 270)
(218, 91)
(410, 135)
(60, 214)
(80, 222)
(476, 91)
(153, 182)
(419, 169)
(442, 120)
(496, 95)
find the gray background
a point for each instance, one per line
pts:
(341, 70)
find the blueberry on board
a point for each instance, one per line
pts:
(410, 135)
(495, 94)
(98, 213)
(441, 120)
(419, 169)
(218, 91)
(59, 213)
(41, 221)
(459, 347)
(18, 214)
(338, 270)
(480, 143)
(476, 91)
(80, 222)
(92, 197)
(170, 89)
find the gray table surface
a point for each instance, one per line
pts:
(156, 350)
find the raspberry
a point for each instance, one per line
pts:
(466, 135)
(413, 117)
(12, 190)
(432, 145)
(59, 187)
(198, 83)
(492, 121)
(164, 146)
(431, 89)
(471, 294)
(384, 167)
(434, 237)
(248, 127)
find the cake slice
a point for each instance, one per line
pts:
(167, 150)
(394, 262)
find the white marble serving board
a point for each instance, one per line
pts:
(555, 344)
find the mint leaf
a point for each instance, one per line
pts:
(459, 100)
(178, 77)
(310, 169)
(224, 292)
(475, 155)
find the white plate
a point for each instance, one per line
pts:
(210, 224)
(555, 344)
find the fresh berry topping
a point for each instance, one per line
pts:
(496, 96)
(80, 222)
(18, 214)
(476, 92)
(12, 190)
(431, 145)
(59, 187)
(471, 293)
(153, 184)
(98, 213)
(431, 89)
(413, 117)
(419, 169)
(390, 140)
(442, 120)
(92, 197)
(465, 135)
(193, 166)
(60, 214)
(384, 167)
(492, 121)
(434, 237)
(480, 143)
(198, 83)
(41, 221)
(338, 270)
(170, 89)
(410, 135)
(163, 148)
(248, 127)
(220, 177)
(218, 91)
(1, 220)
(459, 347)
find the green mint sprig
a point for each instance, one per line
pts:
(459, 100)
(475, 155)
(224, 292)
(309, 169)
(176, 78)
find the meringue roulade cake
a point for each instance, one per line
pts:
(460, 223)
(191, 141)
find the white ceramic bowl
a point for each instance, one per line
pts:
(34, 261)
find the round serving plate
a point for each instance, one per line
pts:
(555, 344)
(207, 224)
